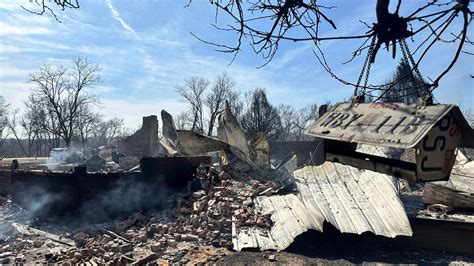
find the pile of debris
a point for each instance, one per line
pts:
(199, 220)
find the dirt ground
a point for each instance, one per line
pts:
(312, 247)
(336, 248)
(5, 162)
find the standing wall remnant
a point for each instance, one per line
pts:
(144, 143)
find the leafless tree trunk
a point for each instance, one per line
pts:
(87, 122)
(108, 130)
(13, 126)
(303, 119)
(3, 122)
(287, 114)
(222, 90)
(65, 92)
(193, 92)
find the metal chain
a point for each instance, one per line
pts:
(364, 67)
(407, 54)
(366, 77)
(409, 59)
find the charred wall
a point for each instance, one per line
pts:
(100, 195)
(5, 181)
(175, 171)
(145, 141)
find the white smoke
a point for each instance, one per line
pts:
(64, 159)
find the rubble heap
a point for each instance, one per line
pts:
(200, 221)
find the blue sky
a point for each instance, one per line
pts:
(145, 49)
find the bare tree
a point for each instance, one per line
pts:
(108, 130)
(65, 93)
(221, 90)
(294, 122)
(266, 23)
(184, 120)
(32, 128)
(287, 115)
(46, 7)
(87, 122)
(3, 121)
(261, 116)
(32, 125)
(193, 93)
(26, 131)
(303, 119)
(38, 119)
(13, 127)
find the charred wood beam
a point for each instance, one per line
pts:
(435, 193)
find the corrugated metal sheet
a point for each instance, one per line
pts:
(353, 200)
(290, 217)
(385, 124)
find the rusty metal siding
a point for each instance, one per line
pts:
(353, 200)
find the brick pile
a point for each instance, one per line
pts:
(201, 217)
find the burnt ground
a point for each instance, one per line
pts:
(142, 237)
(333, 247)
(312, 247)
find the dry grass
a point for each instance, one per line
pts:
(24, 160)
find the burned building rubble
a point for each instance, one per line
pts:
(206, 210)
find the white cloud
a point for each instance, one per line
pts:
(9, 5)
(9, 29)
(99, 50)
(27, 44)
(117, 17)
(12, 71)
(282, 60)
(102, 89)
(15, 93)
(147, 59)
(9, 49)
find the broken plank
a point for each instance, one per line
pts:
(115, 235)
(33, 231)
(439, 194)
(146, 259)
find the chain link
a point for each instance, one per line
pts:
(366, 78)
(409, 59)
(407, 56)
(364, 67)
